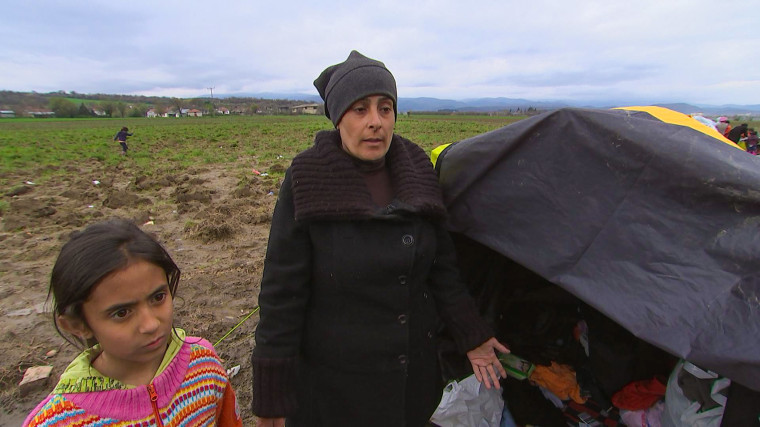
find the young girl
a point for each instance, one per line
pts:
(112, 288)
(121, 136)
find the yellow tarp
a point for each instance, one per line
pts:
(676, 118)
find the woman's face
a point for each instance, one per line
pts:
(366, 128)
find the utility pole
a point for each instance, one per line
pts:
(213, 107)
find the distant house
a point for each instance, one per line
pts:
(8, 114)
(223, 110)
(40, 114)
(151, 113)
(305, 109)
(194, 113)
(171, 113)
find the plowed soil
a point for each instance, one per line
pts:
(214, 225)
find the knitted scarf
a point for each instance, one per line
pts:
(328, 186)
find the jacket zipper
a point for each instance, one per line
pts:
(154, 403)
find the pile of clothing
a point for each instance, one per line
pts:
(584, 368)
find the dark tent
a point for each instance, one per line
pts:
(643, 213)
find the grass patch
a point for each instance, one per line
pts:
(39, 149)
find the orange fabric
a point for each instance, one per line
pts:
(229, 413)
(560, 380)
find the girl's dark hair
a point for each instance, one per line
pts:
(94, 253)
(124, 129)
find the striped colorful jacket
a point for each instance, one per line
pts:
(192, 390)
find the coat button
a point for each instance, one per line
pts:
(425, 294)
(407, 240)
(402, 319)
(430, 334)
(402, 359)
(402, 280)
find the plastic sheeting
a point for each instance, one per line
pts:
(654, 224)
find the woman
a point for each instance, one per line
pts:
(358, 271)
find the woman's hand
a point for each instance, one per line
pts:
(270, 422)
(483, 359)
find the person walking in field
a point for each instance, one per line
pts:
(121, 136)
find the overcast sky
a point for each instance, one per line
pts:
(641, 51)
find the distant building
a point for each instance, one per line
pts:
(305, 109)
(151, 113)
(223, 110)
(7, 114)
(40, 114)
(194, 113)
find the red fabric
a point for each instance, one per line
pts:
(639, 395)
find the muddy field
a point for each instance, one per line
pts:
(214, 226)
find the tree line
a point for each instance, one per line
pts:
(104, 105)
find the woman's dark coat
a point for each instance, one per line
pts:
(352, 293)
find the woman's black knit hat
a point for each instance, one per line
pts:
(341, 85)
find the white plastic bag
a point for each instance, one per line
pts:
(681, 412)
(468, 403)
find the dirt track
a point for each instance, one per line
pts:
(214, 226)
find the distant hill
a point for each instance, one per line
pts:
(275, 95)
(433, 104)
(502, 104)
(714, 110)
(483, 105)
(273, 101)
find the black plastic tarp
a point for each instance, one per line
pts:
(654, 224)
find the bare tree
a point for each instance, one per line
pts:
(178, 103)
(108, 108)
(121, 108)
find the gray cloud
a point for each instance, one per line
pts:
(544, 49)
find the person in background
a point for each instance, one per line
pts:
(751, 141)
(722, 125)
(113, 287)
(728, 128)
(737, 133)
(121, 136)
(358, 270)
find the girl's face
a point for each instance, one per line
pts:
(366, 128)
(130, 314)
